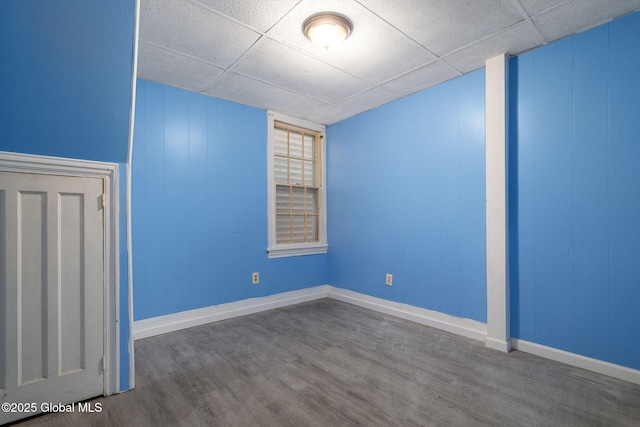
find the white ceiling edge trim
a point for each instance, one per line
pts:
(294, 121)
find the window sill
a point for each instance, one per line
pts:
(283, 251)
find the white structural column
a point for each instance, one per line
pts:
(497, 133)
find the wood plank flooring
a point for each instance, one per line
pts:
(327, 363)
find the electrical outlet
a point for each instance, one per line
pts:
(255, 278)
(389, 281)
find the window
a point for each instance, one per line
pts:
(296, 187)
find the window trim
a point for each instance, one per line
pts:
(281, 250)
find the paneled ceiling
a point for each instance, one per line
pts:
(254, 52)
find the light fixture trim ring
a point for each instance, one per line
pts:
(327, 18)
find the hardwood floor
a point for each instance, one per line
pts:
(327, 363)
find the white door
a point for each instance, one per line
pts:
(51, 291)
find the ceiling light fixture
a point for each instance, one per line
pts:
(327, 29)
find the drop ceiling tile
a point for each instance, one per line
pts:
(185, 27)
(276, 63)
(368, 100)
(375, 51)
(249, 91)
(577, 15)
(260, 15)
(514, 40)
(288, 74)
(165, 66)
(444, 26)
(534, 7)
(328, 114)
(422, 78)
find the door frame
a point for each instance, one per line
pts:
(46, 165)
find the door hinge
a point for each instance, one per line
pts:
(104, 200)
(104, 363)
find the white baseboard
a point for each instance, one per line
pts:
(500, 345)
(457, 325)
(595, 365)
(465, 327)
(186, 319)
(201, 316)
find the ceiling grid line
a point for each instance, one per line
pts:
(437, 57)
(266, 34)
(525, 15)
(255, 52)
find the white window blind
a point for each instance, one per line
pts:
(296, 183)
(296, 202)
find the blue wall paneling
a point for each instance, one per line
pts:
(406, 196)
(575, 193)
(199, 205)
(590, 192)
(624, 190)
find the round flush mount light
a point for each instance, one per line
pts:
(327, 29)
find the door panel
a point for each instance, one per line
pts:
(72, 321)
(52, 283)
(32, 289)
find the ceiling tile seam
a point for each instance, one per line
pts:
(228, 69)
(581, 30)
(276, 39)
(399, 30)
(225, 16)
(419, 67)
(550, 8)
(556, 6)
(283, 16)
(482, 39)
(497, 33)
(215, 80)
(356, 111)
(369, 107)
(263, 34)
(416, 68)
(321, 59)
(224, 70)
(362, 92)
(525, 15)
(454, 69)
(188, 89)
(441, 60)
(438, 58)
(374, 84)
(324, 101)
(260, 33)
(239, 22)
(235, 101)
(597, 24)
(393, 27)
(316, 57)
(186, 55)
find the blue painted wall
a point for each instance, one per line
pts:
(199, 203)
(66, 91)
(66, 77)
(575, 193)
(406, 195)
